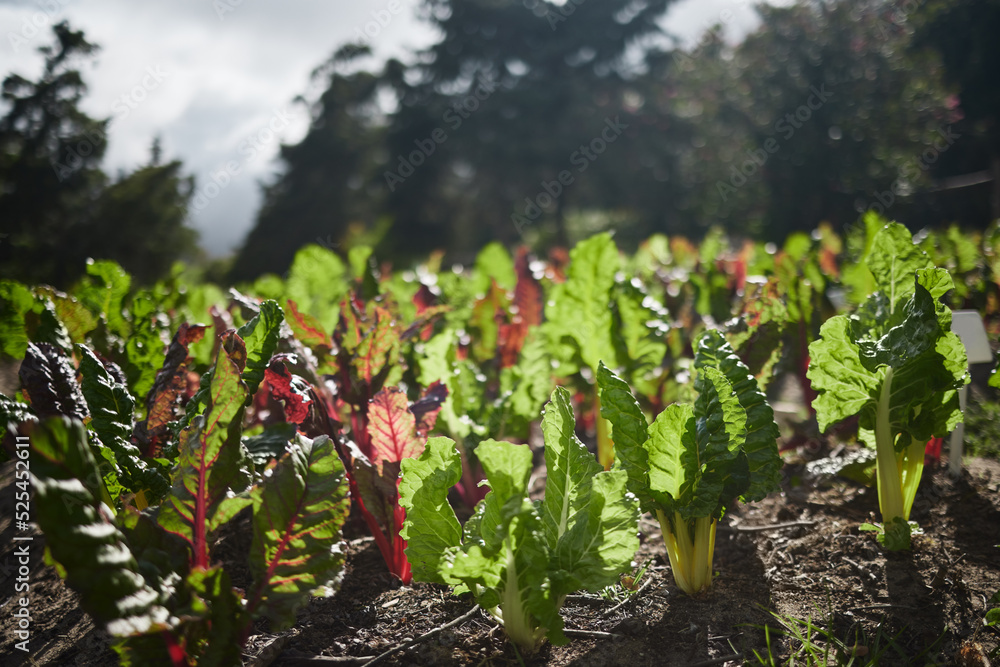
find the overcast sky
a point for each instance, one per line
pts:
(216, 79)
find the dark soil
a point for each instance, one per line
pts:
(923, 607)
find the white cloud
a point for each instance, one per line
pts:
(225, 77)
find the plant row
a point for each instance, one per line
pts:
(300, 398)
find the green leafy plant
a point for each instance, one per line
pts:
(520, 558)
(694, 461)
(149, 576)
(595, 316)
(896, 364)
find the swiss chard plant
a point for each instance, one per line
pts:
(694, 461)
(521, 558)
(596, 315)
(896, 364)
(149, 577)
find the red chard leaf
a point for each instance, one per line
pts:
(290, 389)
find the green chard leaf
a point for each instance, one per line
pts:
(718, 469)
(82, 536)
(578, 308)
(103, 291)
(210, 466)
(570, 467)
(431, 528)
(15, 302)
(896, 364)
(317, 281)
(893, 259)
(111, 408)
(761, 446)
(493, 263)
(298, 514)
(530, 380)
(518, 557)
(261, 336)
(630, 432)
(928, 362)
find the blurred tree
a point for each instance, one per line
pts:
(814, 116)
(57, 207)
(138, 220)
(326, 182)
(50, 152)
(964, 33)
(522, 93)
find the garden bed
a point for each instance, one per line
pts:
(928, 602)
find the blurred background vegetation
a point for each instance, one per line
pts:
(825, 110)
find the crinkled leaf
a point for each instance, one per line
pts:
(630, 432)
(761, 446)
(269, 444)
(602, 540)
(44, 326)
(291, 390)
(697, 463)
(82, 536)
(48, 381)
(928, 364)
(530, 379)
(298, 513)
(144, 347)
(671, 438)
(14, 413)
(720, 432)
(843, 384)
(169, 385)
(71, 313)
(111, 408)
(641, 326)
(431, 527)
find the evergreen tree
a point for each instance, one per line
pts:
(325, 185)
(50, 155)
(57, 207)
